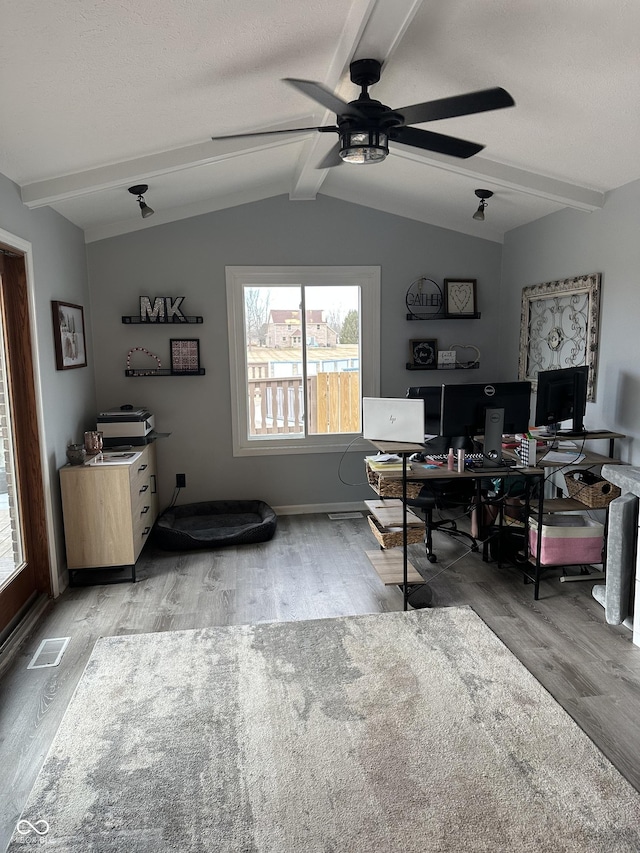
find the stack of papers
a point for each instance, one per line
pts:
(562, 456)
(385, 462)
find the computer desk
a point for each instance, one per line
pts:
(425, 474)
(589, 435)
(532, 475)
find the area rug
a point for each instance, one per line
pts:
(410, 732)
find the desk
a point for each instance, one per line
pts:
(572, 505)
(422, 475)
(589, 435)
(532, 474)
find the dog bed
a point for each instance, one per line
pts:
(213, 523)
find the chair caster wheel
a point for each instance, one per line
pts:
(432, 558)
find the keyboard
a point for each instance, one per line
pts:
(443, 457)
(567, 433)
(474, 462)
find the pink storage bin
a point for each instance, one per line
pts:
(567, 540)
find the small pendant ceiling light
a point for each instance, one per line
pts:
(483, 195)
(139, 190)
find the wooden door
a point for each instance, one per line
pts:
(22, 504)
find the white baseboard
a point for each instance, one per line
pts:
(306, 509)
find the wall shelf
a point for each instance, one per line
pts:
(471, 365)
(163, 372)
(475, 316)
(135, 320)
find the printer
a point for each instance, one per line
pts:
(126, 425)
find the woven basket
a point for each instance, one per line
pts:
(595, 495)
(391, 488)
(393, 538)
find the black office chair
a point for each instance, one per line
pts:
(438, 495)
(441, 494)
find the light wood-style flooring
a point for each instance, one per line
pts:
(315, 568)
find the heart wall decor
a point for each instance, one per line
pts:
(469, 357)
(460, 297)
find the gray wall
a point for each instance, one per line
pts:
(568, 244)
(188, 258)
(59, 270)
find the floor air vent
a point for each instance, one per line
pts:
(49, 652)
(338, 516)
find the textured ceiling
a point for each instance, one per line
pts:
(97, 95)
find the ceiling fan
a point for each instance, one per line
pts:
(365, 126)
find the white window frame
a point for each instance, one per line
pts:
(237, 277)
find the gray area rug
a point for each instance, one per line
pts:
(405, 732)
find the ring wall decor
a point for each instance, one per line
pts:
(424, 299)
(559, 327)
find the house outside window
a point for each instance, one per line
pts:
(293, 398)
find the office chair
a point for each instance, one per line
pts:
(442, 495)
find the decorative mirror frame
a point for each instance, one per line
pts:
(559, 327)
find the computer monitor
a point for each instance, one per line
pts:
(439, 444)
(489, 409)
(432, 395)
(562, 396)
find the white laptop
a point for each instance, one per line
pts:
(393, 419)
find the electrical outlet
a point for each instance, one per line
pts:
(181, 481)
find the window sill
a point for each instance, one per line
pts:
(271, 447)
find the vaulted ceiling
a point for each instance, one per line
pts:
(99, 95)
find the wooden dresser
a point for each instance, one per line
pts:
(109, 506)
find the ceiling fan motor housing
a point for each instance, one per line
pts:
(365, 132)
(365, 72)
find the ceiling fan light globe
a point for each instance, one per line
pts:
(363, 146)
(362, 155)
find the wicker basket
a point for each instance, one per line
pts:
(393, 538)
(391, 488)
(595, 495)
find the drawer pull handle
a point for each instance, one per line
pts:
(155, 484)
(142, 468)
(144, 488)
(145, 531)
(144, 511)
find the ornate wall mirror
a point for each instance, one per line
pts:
(559, 327)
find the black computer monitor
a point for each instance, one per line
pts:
(490, 409)
(562, 396)
(432, 396)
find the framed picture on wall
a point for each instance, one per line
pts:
(68, 335)
(424, 353)
(559, 327)
(460, 297)
(185, 355)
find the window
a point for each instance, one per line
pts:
(290, 397)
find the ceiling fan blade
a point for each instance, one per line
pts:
(457, 105)
(331, 159)
(270, 132)
(324, 96)
(435, 142)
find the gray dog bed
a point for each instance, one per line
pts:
(214, 523)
